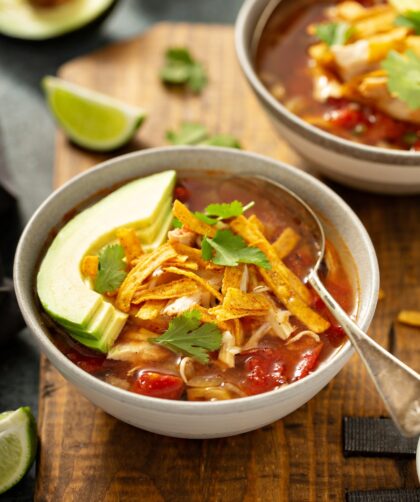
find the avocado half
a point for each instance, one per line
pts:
(144, 205)
(24, 20)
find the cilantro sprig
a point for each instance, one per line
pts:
(334, 33)
(403, 72)
(192, 133)
(214, 213)
(186, 335)
(410, 19)
(112, 269)
(229, 250)
(181, 68)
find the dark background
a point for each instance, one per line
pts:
(27, 150)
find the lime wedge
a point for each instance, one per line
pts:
(405, 5)
(18, 442)
(90, 119)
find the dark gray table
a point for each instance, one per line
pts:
(27, 134)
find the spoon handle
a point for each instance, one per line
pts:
(398, 384)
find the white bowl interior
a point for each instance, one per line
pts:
(163, 416)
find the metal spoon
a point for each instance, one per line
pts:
(397, 384)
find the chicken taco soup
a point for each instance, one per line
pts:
(191, 288)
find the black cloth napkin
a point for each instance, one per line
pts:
(10, 318)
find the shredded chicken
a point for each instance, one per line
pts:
(228, 350)
(182, 235)
(302, 334)
(182, 304)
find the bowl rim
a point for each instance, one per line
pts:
(248, 18)
(67, 367)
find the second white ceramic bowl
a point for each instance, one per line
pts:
(360, 166)
(181, 418)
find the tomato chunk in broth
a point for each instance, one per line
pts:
(263, 358)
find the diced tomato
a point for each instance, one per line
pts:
(416, 146)
(347, 117)
(382, 127)
(308, 361)
(264, 371)
(181, 193)
(90, 364)
(151, 383)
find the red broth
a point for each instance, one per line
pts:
(272, 363)
(282, 64)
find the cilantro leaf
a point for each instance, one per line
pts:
(410, 19)
(225, 140)
(186, 336)
(176, 223)
(334, 33)
(206, 219)
(225, 210)
(189, 134)
(206, 249)
(222, 211)
(404, 77)
(230, 250)
(198, 78)
(181, 68)
(112, 269)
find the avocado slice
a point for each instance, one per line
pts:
(143, 204)
(32, 20)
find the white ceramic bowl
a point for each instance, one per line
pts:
(360, 166)
(178, 418)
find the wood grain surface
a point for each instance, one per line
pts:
(87, 455)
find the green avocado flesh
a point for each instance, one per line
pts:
(20, 19)
(144, 205)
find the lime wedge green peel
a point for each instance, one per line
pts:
(91, 119)
(18, 441)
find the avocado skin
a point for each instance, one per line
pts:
(83, 32)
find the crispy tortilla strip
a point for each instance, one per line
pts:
(139, 274)
(130, 242)
(286, 242)
(279, 281)
(189, 265)
(294, 303)
(410, 317)
(232, 277)
(151, 309)
(256, 221)
(168, 291)
(186, 217)
(353, 11)
(223, 314)
(194, 255)
(206, 316)
(90, 266)
(254, 237)
(197, 278)
(235, 299)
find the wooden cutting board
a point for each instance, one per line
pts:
(87, 455)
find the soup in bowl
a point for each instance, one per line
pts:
(174, 294)
(331, 74)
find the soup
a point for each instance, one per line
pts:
(219, 309)
(340, 66)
